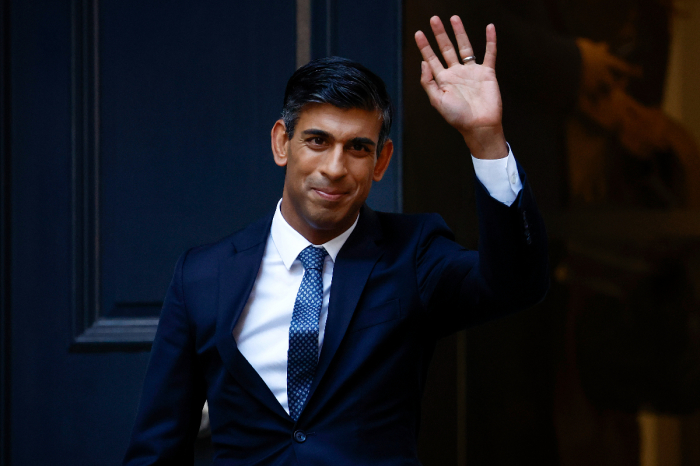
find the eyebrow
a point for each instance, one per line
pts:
(316, 132)
(326, 134)
(367, 141)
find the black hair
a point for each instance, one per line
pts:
(340, 82)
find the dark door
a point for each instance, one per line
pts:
(131, 131)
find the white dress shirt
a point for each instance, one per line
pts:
(500, 177)
(262, 331)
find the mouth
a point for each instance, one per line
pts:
(329, 194)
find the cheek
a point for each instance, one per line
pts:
(362, 168)
(365, 177)
(295, 176)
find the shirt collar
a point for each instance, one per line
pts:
(290, 243)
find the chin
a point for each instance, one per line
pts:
(324, 219)
(325, 222)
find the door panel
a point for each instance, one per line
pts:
(138, 130)
(181, 161)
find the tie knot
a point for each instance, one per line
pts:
(312, 258)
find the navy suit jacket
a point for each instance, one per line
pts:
(399, 283)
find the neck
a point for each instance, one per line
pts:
(314, 234)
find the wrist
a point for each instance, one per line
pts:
(487, 143)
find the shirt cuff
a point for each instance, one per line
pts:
(500, 177)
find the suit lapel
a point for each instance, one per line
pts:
(351, 270)
(237, 274)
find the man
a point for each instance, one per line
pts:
(310, 331)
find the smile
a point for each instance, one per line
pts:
(329, 194)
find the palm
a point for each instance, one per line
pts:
(468, 97)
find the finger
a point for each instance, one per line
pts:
(427, 53)
(465, 47)
(490, 55)
(428, 83)
(444, 42)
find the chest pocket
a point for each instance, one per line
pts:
(385, 312)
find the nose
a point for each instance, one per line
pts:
(333, 165)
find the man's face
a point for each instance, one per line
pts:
(331, 162)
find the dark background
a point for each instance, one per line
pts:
(131, 131)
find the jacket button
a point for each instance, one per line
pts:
(300, 436)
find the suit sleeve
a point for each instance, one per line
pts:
(509, 272)
(173, 392)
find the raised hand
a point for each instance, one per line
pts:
(465, 94)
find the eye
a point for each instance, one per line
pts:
(316, 141)
(359, 147)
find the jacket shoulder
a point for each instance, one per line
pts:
(207, 256)
(413, 225)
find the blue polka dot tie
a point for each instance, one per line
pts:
(302, 357)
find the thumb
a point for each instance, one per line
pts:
(428, 82)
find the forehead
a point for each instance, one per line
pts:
(341, 123)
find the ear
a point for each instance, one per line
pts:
(280, 143)
(383, 160)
